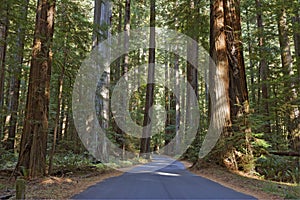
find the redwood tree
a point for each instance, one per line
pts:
(219, 73)
(238, 93)
(102, 20)
(263, 68)
(145, 141)
(33, 147)
(3, 35)
(228, 80)
(288, 71)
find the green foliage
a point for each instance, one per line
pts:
(285, 191)
(279, 168)
(8, 159)
(71, 161)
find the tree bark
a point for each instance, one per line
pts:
(145, 140)
(219, 73)
(239, 100)
(228, 88)
(34, 138)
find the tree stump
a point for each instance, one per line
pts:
(20, 188)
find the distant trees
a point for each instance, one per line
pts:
(15, 80)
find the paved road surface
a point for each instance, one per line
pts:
(151, 182)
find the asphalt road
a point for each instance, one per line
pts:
(150, 181)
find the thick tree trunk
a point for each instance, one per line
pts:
(219, 74)
(146, 136)
(228, 88)
(239, 100)
(13, 98)
(34, 138)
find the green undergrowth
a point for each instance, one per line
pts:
(287, 191)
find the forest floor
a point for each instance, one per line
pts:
(57, 187)
(65, 186)
(247, 184)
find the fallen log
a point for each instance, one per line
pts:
(6, 196)
(283, 153)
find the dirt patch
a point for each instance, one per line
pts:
(57, 187)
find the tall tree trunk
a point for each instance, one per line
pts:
(239, 101)
(102, 18)
(263, 68)
(57, 115)
(219, 73)
(192, 54)
(145, 140)
(228, 88)
(115, 76)
(192, 71)
(125, 64)
(34, 138)
(61, 129)
(3, 44)
(287, 64)
(251, 66)
(178, 137)
(13, 99)
(168, 132)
